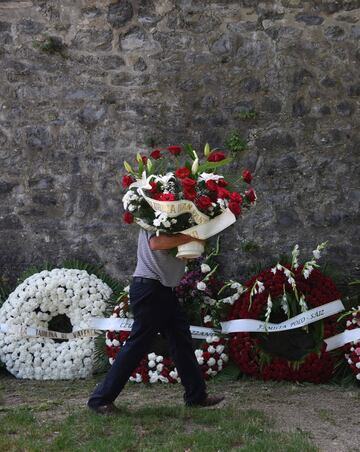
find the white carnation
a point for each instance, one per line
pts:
(201, 285)
(205, 268)
(34, 303)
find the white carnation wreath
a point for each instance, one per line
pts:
(36, 301)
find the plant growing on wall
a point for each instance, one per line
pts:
(50, 44)
(235, 142)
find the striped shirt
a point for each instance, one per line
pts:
(157, 264)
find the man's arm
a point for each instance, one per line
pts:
(166, 242)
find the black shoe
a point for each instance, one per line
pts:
(106, 410)
(209, 401)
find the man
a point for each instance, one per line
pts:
(155, 308)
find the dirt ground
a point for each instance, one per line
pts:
(327, 413)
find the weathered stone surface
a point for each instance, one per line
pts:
(140, 65)
(276, 140)
(44, 199)
(93, 40)
(38, 138)
(299, 108)
(90, 115)
(119, 13)
(30, 27)
(271, 105)
(344, 108)
(283, 74)
(309, 19)
(5, 26)
(334, 32)
(112, 62)
(354, 90)
(6, 187)
(11, 222)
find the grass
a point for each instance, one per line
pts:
(52, 416)
(149, 428)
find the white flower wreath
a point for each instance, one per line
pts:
(34, 303)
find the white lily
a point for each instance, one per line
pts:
(209, 176)
(165, 179)
(195, 166)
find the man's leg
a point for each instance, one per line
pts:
(138, 344)
(176, 329)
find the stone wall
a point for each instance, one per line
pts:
(87, 84)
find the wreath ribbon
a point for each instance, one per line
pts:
(199, 332)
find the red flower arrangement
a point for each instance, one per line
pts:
(296, 355)
(352, 350)
(209, 195)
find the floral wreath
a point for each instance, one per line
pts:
(276, 294)
(199, 292)
(37, 302)
(352, 351)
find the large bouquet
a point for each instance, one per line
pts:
(172, 191)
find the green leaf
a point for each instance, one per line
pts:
(213, 165)
(190, 151)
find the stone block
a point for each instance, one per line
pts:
(120, 13)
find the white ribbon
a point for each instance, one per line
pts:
(300, 320)
(30, 331)
(343, 338)
(122, 324)
(199, 332)
(96, 324)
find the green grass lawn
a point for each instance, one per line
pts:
(52, 416)
(160, 428)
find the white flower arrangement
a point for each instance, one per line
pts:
(34, 303)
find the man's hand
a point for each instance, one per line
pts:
(167, 242)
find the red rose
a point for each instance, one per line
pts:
(128, 217)
(189, 194)
(174, 150)
(235, 196)
(188, 183)
(203, 202)
(127, 180)
(235, 208)
(222, 183)
(211, 185)
(144, 159)
(247, 176)
(216, 156)
(250, 195)
(167, 197)
(153, 188)
(156, 154)
(223, 193)
(182, 172)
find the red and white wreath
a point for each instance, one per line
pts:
(272, 295)
(352, 354)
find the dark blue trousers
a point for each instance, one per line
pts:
(155, 309)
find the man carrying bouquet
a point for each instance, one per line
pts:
(155, 309)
